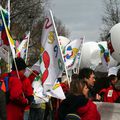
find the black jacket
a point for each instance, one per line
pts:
(70, 105)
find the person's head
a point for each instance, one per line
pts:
(89, 76)
(20, 64)
(78, 87)
(112, 79)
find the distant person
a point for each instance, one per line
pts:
(111, 94)
(77, 102)
(89, 76)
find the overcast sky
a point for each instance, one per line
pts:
(81, 17)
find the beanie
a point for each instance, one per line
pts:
(20, 63)
(112, 71)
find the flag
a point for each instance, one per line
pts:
(39, 96)
(57, 91)
(4, 52)
(51, 61)
(22, 48)
(72, 53)
(11, 41)
(35, 67)
(4, 39)
(104, 53)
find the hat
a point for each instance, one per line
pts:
(20, 63)
(112, 71)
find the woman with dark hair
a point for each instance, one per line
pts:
(77, 102)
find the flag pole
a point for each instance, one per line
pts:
(10, 40)
(81, 55)
(27, 47)
(8, 6)
(58, 42)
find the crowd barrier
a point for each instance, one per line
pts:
(109, 111)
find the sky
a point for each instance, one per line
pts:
(81, 17)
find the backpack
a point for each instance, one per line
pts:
(4, 86)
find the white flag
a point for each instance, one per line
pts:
(4, 51)
(51, 62)
(22, 48)
(57, 91)
(72, 50)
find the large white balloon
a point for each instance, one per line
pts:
(90, 55)
(113, 62)
(63, 41)
(114, 42)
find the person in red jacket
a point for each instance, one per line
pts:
(112, 94)
(78, 102)
(20, 91)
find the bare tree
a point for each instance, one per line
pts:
(28, 15)
(61, 28)
(111, 16)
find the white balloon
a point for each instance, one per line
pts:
(115, 41)
(63, 41)
(90, 55)
(112, 62)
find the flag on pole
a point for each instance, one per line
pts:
(23, 47)
(8, 8)
(51, 61)
(11, 41)
(57, 91)
(4, 39)
(72, 53)
(104, 53)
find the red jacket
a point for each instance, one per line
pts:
(17, 102)
(111, 95)
(27, 88)
(89, 112)
(19, 90)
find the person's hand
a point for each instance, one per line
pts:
(98, 97)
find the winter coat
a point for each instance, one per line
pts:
(78, 105)
(111, 95)
(17, 100)
(89, 111)
(70, 105)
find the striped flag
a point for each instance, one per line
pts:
(4, 39)
(11, 41)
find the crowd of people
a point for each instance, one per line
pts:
(18, 103)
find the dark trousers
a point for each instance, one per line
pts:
(36, 114)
